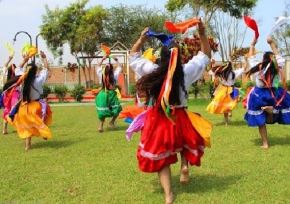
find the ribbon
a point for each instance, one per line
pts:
(164, 38)
(251, 23)
(167, 84)
(182, 26)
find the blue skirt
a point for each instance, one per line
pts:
(259, 97)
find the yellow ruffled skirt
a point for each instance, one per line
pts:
(222, 101)
(29, 120)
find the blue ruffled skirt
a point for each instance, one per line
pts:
(259, 97)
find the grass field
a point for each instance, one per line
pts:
(80, 165)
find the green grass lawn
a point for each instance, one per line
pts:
(80, 165)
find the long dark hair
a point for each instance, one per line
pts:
(32, 70)
(10, 82)
(108, 80)
(272, 70)
(151, 84)
(225, 70)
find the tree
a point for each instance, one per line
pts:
(283, 35)
(125, 23)
(207, 8)
(77, 26)
(222, 18)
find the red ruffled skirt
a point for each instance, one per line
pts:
(162, 139)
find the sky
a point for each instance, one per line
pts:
(25, 15)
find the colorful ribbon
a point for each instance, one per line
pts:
(251, 23)
(164, 38)
(167, 84)
(182, 26)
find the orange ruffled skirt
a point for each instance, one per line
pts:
(222, 102)
(28, 120)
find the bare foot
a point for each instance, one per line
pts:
(169, 198)
(45, 138)
(112, 125)
(101, 130)
(184, 175)
(265, 146)
(27, 147)
(4, 132)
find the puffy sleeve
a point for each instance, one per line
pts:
(19, 71)
(42, 76)
(140, 65)
(117, 71)
(194, 68)
(280, 61)
(253, 61)
(238, 72)
(99, 73)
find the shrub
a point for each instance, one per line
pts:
(78, 92)
(132, 89)
(46, 91)
(238, 83)
(249, 84)
(60, 92)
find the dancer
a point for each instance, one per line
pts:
(226, 95)
(11, 89)
(267, 103)
(29, 119)
(167, 128)
(107, 102)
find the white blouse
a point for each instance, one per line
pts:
(37, 87)
(230, 80)
(193, 70)
(117, 72)
(256, 77)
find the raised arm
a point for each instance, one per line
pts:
(273, 45)
(252, 48)
(205, 47)
(44, 60)
(24, 61)
(8, 61)
(140, 42)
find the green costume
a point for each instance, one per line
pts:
(107, 104)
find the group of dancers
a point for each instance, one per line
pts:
(167, 126)
(21, 98)
(165, 123)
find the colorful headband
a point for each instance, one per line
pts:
(251, 23)
(165, 39)
(148, 54)
(182, 26)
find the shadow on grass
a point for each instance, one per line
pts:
(200, 184)
(274, 141)
(122, 128)
(232, 123)
(55, 143)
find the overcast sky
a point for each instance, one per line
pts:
(16, 15)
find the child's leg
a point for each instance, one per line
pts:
(112, 123)
(226, 116)
(101, 125)
(165, 180)
(4, 131)
(184, 171)
(263, 134)
(27, 143)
